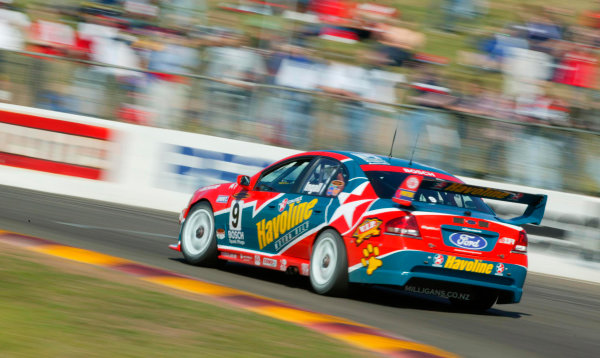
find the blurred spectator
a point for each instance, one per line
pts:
(361, 85)
(298, 70)
(398, 43)
(237, 67)
(524, 70)
(168, 93)
(14, 26)
(430, 128)
(351, 82)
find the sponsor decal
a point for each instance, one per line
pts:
(241, 195)
(425, 227)
(269, 262)
(471, 230)
(304, 269)
(210, 187)
(233, 186)
(468, 265)
(370, 260)
(371, 159)
(474, 190)
(246, 258)
(296, 215)
(222, 199)
(516, 197)
(283, 265)
(366, 230)
(236, 237)
(419, 172)
(468, 241)
(229, 255)
(220, 234)
(438, 260)
(471, 222)
(257, 260)
(313, 188)
(335, 188)
(55, 146)
(499, 269)
(412, 183)
(506, 240)
(284, 203)
(438, 292)
(290, 236)
(405, 193)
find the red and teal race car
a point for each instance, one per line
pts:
(345, 217)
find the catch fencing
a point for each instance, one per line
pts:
(554, 158)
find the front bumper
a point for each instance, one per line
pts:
(398, 268)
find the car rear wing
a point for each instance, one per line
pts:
(536, 203)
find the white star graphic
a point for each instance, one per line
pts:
(347, 211)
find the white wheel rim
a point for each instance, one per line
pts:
(197, 232)
(324, 260)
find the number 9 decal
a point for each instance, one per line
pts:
(235, 215)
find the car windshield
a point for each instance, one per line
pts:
(386, 183)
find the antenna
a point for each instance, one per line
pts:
(393, 141)
(414, 148)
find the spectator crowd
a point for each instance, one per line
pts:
(181, 64)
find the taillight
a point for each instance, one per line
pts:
(404, 225)
(521, 244)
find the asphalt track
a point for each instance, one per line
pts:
(556, 318)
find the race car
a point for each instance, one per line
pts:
(345, 217)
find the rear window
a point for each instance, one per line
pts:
(385, 185)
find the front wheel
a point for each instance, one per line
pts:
(198, 242)
(329, 265)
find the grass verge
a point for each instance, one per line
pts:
(48, 310)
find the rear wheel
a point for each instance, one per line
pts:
(198, 242)
(480, 301)
(329, 265)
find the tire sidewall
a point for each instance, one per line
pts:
(338, 282)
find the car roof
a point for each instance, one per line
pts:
(369, 159)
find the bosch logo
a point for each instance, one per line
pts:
(468, 241)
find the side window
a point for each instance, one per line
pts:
(282, 178)
(327, 178)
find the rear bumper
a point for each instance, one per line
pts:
(403, 267)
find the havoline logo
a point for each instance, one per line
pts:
(478, 266)
(269, 230)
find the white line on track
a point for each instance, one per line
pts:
(92, 227)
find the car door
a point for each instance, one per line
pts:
(301, 209)
(261, 216)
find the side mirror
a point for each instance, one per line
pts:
(244, 181)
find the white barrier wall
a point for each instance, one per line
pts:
(159, 169)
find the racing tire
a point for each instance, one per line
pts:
(481, 301)
(198, 241)
(329, 265)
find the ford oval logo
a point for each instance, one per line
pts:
(468, 241)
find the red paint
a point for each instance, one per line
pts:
(55, 125)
